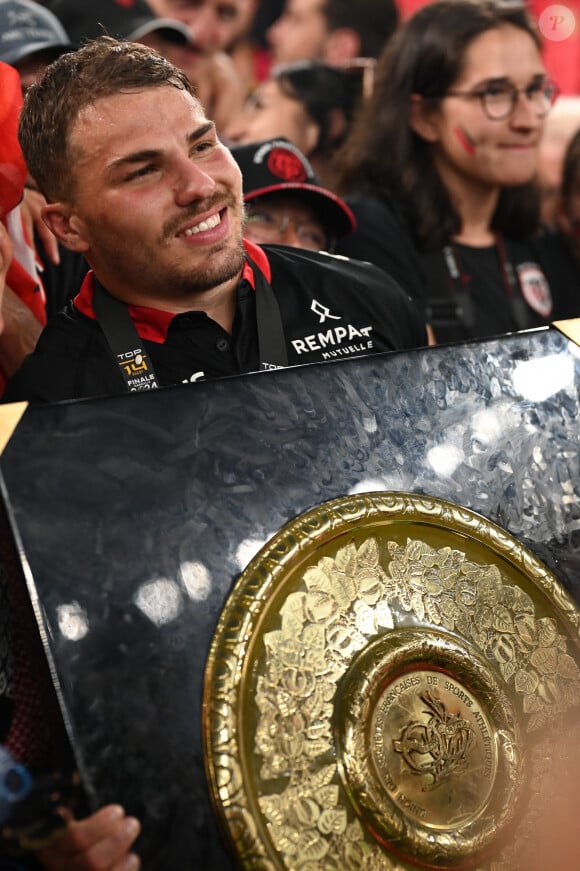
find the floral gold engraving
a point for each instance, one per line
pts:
(314, 599)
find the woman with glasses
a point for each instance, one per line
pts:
(439, 171)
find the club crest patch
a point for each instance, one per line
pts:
(535, 288)
(286, 165)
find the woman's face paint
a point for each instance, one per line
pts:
(465, 140)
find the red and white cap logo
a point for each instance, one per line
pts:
(286, 165)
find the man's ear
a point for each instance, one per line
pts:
(337, 125)
(422, 119)
(311, 134)
(64, 224)
(342, 44)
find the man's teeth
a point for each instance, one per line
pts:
(205, 225)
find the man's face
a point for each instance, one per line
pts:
(285, 219)
(215, 24)
(156, 202)
(300, 33)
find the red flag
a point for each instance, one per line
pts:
(12, 166)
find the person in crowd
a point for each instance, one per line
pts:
(248, 49)
(219, 26)
(23, 309)
(335, 31)
(214, 26)
(439, 171)
(31, 37)
(85, 21)
(285, 202)
(568, 208)
(217, 83)
(137, 180)
(308, 102)
(561, 125)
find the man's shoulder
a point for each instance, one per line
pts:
(66, 330)
(359, 283)
(310, 285)
(291, 255)
(303, 263)
(49, 373)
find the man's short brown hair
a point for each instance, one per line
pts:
(102, 68)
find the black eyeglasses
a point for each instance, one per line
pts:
(269, 227)
(499, 99)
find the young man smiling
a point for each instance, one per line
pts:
(137, 180)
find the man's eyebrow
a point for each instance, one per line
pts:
(209, 127)
(135, 157)
(153, 153)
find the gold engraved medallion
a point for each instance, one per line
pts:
(444, 751)
(426, 743)
(391, 683)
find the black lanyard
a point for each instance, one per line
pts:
(134, 362)
(457, 306)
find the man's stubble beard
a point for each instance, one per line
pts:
(224, 269)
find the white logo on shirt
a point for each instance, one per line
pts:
(322, 311)
(197, 376)
(331, 341)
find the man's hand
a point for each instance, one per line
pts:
(19, 334)
(101, 842)
(5, 260)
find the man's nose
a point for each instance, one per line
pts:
(193, 183)
(288, 235)
(205, 29)
(273, 33)
(235, 131)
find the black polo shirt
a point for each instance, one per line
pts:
(330, 308)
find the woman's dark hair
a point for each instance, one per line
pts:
(330, 96)
(570, 166)
(384, 156)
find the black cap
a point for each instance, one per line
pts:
(27, 27)
(276, 165)
(123, 19)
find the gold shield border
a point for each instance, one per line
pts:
(258, 594)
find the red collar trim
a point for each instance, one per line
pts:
(260, 258)
(151, 323)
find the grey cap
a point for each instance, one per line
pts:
(26, 27)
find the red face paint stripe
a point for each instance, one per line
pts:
(465, 139)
